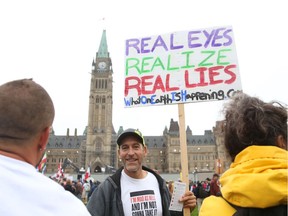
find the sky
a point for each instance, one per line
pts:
(54, 42)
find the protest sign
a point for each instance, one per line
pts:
(181, 67)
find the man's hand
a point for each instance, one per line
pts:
(189, 200)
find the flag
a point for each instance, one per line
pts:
(44, 169)
(42, 165)
(88, 173)
(60, 171)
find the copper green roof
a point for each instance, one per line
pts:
(103, 48)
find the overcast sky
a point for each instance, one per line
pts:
(54, 42)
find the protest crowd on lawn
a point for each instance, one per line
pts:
(83, 188)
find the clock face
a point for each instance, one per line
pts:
(102, 65)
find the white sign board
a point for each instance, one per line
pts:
(181, 67)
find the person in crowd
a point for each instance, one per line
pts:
(207, 185)
(200, 194)
(78, 189)
(26, 115)
(69, 186)
(171, 187)
(85, 191)
(134, 189)
(62, 181)
(95, 184)
(255, 137)
(215, 185)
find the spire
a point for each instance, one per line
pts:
(103, 48)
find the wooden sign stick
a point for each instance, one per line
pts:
(183, 148)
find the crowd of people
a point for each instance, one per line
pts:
(82, 189)
(255, 184)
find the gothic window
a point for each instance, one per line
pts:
(96, 84)
(98, 147)
(103, 99)
(105, 84)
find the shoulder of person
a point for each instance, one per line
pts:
(213, 205)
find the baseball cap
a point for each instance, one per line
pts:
(131, 132)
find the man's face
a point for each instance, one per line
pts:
(132, 153)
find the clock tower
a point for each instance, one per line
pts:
(100, 143)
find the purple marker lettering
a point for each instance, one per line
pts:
(159, 43)
(132, 43)
(172, 47)
(144, 44)
(191, 39)
(209, 37)
(228, 37)
(216, 37)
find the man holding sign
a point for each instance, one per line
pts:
(134, 189)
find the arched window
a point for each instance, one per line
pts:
(98, 147)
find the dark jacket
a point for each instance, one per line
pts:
(106, 198)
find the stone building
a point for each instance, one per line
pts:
(96, 146)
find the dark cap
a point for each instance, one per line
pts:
(131, 132)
